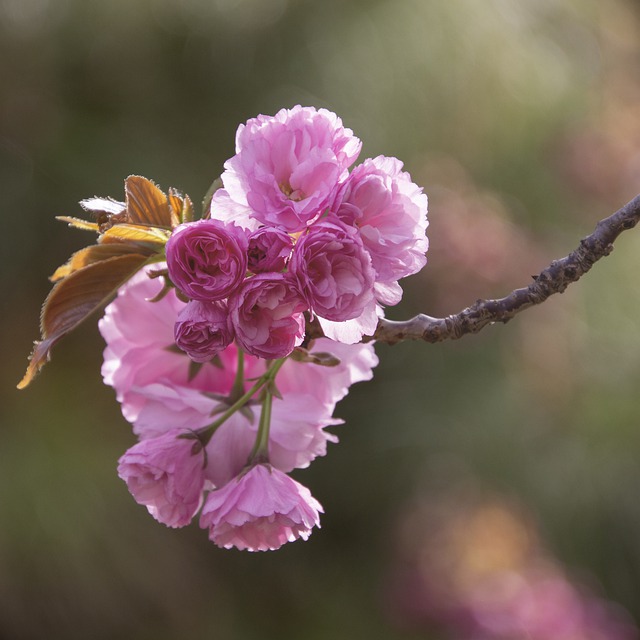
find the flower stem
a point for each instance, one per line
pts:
(260, 451)
(267, 377)
(237, 390)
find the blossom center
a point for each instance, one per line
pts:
(293, 194)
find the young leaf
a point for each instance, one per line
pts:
(106, 211)
(79, 223)
(91, 254)
(206, 202)
(75, 298)
(146, 204)
(181, 207)
(134, 233)
(108, 206)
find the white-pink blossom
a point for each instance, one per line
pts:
(166, 474)
(288, 168)
(260, 510)
(390, 213)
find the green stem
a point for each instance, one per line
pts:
(237, 390)
(269, 375)
(260, 451)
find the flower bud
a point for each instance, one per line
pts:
(269, 249)
(207, 259)
(267, 318)
(333, 271)
(203, 330)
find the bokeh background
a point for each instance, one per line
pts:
(484, 489)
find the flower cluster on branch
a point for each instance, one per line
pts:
(208, 347)
(232, 337)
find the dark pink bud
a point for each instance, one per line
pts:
(203, 330)
(267, 318)
(333, 271)
(269, 249)
(207, 259)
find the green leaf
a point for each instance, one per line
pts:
(248, 413)
(194, 369)
(75, 298)
(273, 389)
(206, 202)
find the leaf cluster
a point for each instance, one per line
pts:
(131, 234)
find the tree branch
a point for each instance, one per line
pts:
(554, 279)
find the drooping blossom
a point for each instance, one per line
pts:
(260, 510)
(333, 271)
(390, 213)
(269, 249)
(203, 330)
(207, 259)
(266, 313)
(166, 474)
(289, 167)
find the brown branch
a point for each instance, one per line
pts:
(554, 279)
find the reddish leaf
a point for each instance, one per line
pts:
(106, 211)
(181, 207)
(107, 206)
(91, 254)
(146, 204)
(75, 298)
(78, 223)
(149, 237)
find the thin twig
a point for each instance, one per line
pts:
(554, 279)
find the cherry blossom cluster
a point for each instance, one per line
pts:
(224, 392)
(293, 231)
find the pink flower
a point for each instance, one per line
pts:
(260, 510)
(390, 213)
(288, 167)
(166, 474)
(203, 330)
(225, 209)
(334, 271)
(266, 313)
(269, 249)
(207, 259)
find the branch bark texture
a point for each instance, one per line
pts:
(553, 279)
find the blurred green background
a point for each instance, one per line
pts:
(520, 119)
